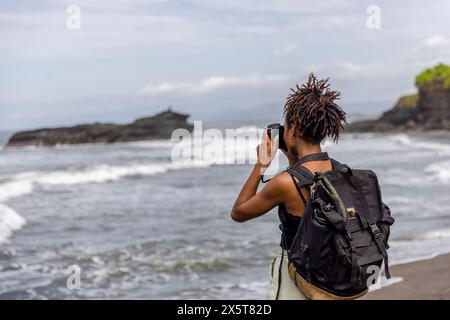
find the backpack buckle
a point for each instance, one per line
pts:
(349, 235)
(374, 229)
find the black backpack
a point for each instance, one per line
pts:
(344, 230)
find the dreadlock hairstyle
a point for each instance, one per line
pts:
(312, 111)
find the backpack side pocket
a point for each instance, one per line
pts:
(385, 224)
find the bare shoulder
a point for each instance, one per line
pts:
(282, 178)
(280, 183)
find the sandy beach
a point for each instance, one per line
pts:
(428, 279)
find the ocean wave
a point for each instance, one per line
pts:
(107, 173)
(439, 171)
(249, 129)
(151, 144)
(192, 265)
(407, 141)
(401, 139)
(418, 258)
(422, 247)
(384, 282)
(229, 290)
(439, 234)
(10, 221)
(23, 183)
(436, 234)
(14, 189)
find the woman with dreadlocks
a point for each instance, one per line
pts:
(310, 115)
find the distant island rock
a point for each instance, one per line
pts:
(429, 109)
(159, 126)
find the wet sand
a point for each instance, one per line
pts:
(428, 279)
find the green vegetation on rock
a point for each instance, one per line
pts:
(426, 110)
(441, 71)
(406, 102)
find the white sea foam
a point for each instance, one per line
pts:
(417, 258)
(384, 282)
(407, 141)
(151, 144)
(249, 129)
(436, 234)
(14, 189)
(401, 139)
(23, 184)
(421, 247)
(107, 173)
(10, 221)
(424, 247)
(439, 171)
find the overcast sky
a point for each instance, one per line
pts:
(211, 58)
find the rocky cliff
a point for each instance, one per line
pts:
(429, 109)
(159, 126)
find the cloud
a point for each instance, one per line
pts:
(111, 5)
(303, 6)
(212, 84)
(350, 70)
(45, 34)
(108, 27)
(289, 49)
(168, 48)
(437, 42)
(432, 50)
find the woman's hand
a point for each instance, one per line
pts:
(249, 204)
(265, 151)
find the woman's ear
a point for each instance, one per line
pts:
(291, 133)
(291, 137)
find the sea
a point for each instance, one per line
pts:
(127, 221)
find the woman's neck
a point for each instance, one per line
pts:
(305, 149)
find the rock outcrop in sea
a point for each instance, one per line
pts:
(159, 126)
(429, 109)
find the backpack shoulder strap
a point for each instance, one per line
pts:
(335, 163)
(301, 177)
(312, 157)
(305, 177)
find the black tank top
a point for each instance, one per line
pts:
(289, 223)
